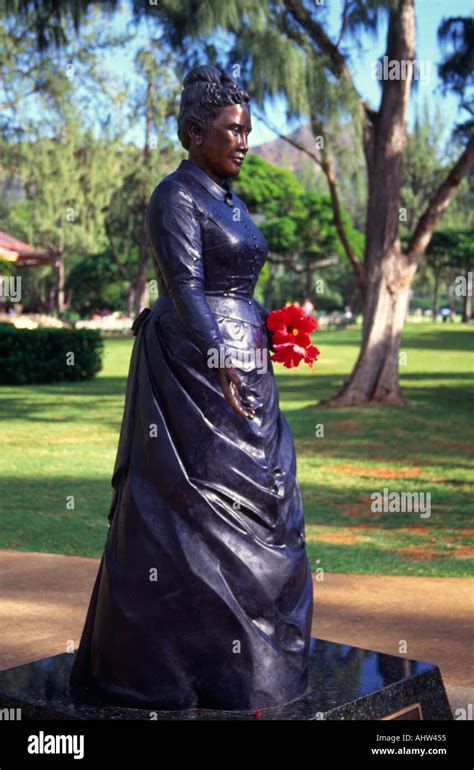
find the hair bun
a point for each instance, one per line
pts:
(205, 73)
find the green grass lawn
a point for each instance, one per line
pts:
(60, 441)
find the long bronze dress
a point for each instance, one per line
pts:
(203, 597)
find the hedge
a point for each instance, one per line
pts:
(48, 355)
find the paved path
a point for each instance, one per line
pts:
(44, 597)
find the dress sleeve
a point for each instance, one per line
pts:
(174, 233)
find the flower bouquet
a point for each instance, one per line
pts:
(291, 327)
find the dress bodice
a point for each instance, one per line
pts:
(232, 248)
(208, 254)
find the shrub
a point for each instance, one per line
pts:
(48, 355)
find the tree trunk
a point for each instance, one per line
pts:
(375, 377)
(141, 297)
(56, 297)
(451, 294)
(68, 300)
(467, 307)
(387, 274)
(60, 272)
(141, 292)
(131, 302)
(61, 279)
(436, 294)
(52, 293)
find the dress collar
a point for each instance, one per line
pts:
(223, 193)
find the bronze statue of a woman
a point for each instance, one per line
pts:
(203, 597)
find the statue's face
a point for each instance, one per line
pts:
(221, 150)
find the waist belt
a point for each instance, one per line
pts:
(237, 306)
(232, 294)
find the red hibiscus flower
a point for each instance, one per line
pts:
(291, 324)
(291, 328)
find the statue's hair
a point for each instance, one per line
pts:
(206, 90)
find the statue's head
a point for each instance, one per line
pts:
(214, 121)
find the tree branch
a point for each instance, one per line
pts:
(339, 67)
(326, 166)
(319, 36)
(328, 170)
(438, 203)
(287, 262)
(324, 44)
(345, 11)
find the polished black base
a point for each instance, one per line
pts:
(345, 683)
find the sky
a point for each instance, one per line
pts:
(429, 14)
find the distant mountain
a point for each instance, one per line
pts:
(281, 153)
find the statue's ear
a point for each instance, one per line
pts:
(196, 133)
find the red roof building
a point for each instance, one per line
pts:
(21, 254)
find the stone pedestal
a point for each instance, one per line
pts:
(345, 683)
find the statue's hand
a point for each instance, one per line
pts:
(232, 387)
